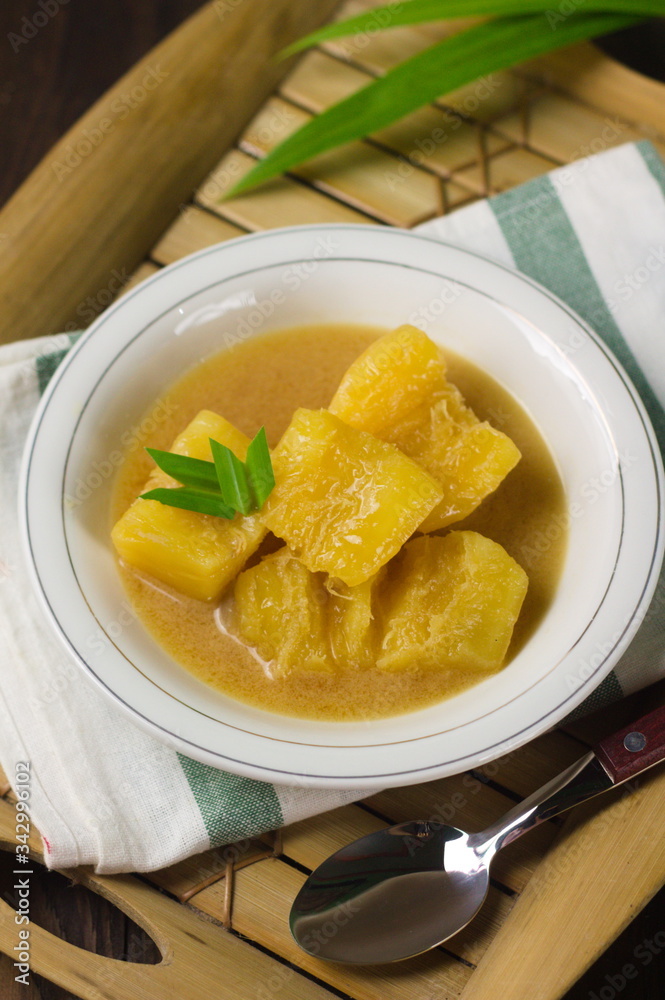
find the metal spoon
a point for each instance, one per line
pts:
(403, 890)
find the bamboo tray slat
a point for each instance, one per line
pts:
(559, 896)
(261, 907)
(294, 204)
(193, 230)
(565, 130)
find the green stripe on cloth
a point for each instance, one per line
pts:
(608, 691)
(231, 807)
(653, 161)
(46, 364)
(545, 246)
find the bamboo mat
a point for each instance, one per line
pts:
(220, 919)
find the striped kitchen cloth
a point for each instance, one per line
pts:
(105, 793)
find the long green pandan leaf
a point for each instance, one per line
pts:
(419, 11)
(482, 49)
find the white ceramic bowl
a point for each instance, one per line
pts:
(533, 344)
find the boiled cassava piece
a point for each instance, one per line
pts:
(468, 458)
(396, 373)
(196, 554)
(280, 610)
(397, 389)
(344, 501)
(451, 602)
(298, 621)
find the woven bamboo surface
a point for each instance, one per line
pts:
(220, 918)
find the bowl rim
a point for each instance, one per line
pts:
(451, 765)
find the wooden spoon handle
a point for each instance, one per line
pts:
(635, 748)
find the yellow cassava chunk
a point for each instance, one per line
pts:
(280, 609)
(398, 391)
(196, 554)
(344, 501)
(396, 373)
(469, 459)
(352, 622)
(450, 602)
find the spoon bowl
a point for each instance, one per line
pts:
(381, 898)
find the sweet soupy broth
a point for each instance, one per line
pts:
(262, 382)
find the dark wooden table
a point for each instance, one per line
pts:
(52, 67)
